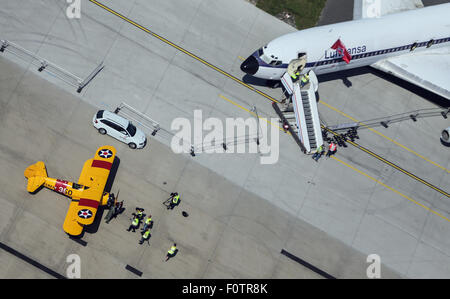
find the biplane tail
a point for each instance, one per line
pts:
(36, 175)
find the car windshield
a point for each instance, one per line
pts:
(131, 129)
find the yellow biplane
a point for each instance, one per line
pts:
(86, 195)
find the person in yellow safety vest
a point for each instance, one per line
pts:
(295, 76)
(147, 222)
(172, 251)
(305, 79)
(319, 152)
(145, 236)
(134, 224)
(140, 213)
(175, 201)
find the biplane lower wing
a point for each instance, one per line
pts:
(71, 225)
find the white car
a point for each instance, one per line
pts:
(120, 128)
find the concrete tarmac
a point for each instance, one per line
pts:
(328, 213)
(229, 233)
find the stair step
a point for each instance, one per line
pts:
(289, 115)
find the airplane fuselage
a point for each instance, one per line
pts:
(72, 190)
(64, 187)
(367, 41)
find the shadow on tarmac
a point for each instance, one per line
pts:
(421, 92)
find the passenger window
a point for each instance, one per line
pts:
(112, 125)
(107, 122)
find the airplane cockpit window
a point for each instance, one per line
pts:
(263, 56)
(260, 52)
(77, 186)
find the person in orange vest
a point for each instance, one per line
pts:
(332, 148)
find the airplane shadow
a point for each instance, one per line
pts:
(251, 80)
(93, 228)
(112, 174)
(345, 76)
(37, 190)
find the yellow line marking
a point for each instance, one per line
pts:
(182, 50)
(395, 166)
(392, 189)
(241, 58)
(251, 112)
(201, 60)
(355, 169)
(382, 135)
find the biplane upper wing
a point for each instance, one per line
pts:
(93, 177)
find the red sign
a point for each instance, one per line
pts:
(342, 50)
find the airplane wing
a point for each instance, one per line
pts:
(363, 9)
(428, 69)
(94, 176)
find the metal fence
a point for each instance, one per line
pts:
(47, 66)
(385, 121)
(153, 128)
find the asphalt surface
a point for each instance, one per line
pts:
(331, 214)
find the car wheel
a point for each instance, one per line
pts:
(102, 131)
(132, 145)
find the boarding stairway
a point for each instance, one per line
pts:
(299, 113)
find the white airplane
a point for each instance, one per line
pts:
(399, 37)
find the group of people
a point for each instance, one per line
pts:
(332, 149)
(303, 79)
(138, 217)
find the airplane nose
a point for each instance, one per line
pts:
(250, 65)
